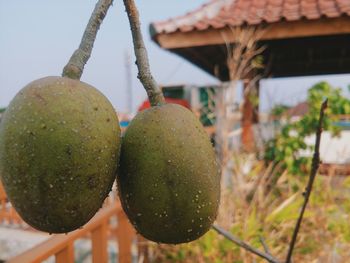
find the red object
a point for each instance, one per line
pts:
(146, 104)
(219, 14)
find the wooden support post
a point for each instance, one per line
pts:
(126, 235)
(142, 249)
(4, 213)
(66, 255)
(99, 244)
(220, 125)
(250, 115)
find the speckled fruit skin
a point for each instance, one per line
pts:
(59, 151)
(169, 179)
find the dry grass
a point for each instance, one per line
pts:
(251, 212)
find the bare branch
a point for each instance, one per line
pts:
(244, 245)
(75, 66)
(154, 93)
(266, 248)
(313, 172)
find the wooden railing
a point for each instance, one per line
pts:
(7, 213)
(110, 223)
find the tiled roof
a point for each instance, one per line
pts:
(299, 110)
(220, 13)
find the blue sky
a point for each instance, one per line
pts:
(38, 37)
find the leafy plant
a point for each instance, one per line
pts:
(287, 146)
(278, 110)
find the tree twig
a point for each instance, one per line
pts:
(244, 245)
(154, 92)
(75, 66)
(266, 248)
(313, 172)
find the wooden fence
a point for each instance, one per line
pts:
(110, 223)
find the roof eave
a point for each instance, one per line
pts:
(278, 30)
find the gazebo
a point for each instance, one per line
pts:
(302, 37)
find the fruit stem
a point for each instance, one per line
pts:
(154, 92)
(75, 66)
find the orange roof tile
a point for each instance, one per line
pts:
(220, 13)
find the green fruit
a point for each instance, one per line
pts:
(169, 179)
(59, 150)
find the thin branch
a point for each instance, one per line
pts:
(154, 92)
(75, 66)
(244, 245)
(266, 248)
(313, 172)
